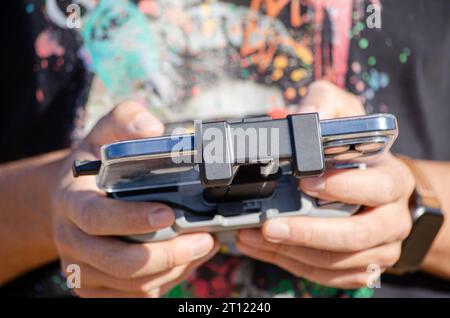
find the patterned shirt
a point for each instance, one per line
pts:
(202, 59)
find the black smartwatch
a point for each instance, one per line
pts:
(427, 221)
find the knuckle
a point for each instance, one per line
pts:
(391, 257)
(387, 189)
(357, 105)
(65, 201)
(57, 199)
(326, 258)
(169, 258)
(128, 265)
(120, 117)
(86, 216)
(322, 86)
(345, 188)
(306, 236)
(131, 220)
(61, 238)
(127, 262)
(124, 108)
(117, 268)
(409, 183)
(322, 89)
(405, 228)
(118, 112)
(357, 236)
(116, 264)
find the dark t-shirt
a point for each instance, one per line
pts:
(403, 69)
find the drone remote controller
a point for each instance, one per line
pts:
(246, 186)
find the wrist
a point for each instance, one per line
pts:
(47, 177)
(437, 259)
(26, 219)
(427, 220)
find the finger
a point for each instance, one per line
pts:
(96, 214)
(127, 260)
(111, 293)
(365, 230)
(92, 278)
(375, 186)
(330, 101)
(384, 255)
(189, 270)
(346, 279)
(128, 120)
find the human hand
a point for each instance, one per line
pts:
(85, 221)
(337, 251)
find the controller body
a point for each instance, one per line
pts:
(193, 213)
(246, 186)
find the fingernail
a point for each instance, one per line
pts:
(307, 109)
(144, 122)
(313, 184)
(160, 218)
(200, 246)
(277, 230)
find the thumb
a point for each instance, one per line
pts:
(128, 120)
(330, 101)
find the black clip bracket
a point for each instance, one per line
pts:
(297, 139)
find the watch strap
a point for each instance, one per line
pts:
(423, 186)
(427, 220)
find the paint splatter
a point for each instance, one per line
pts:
(46, 45)
(404, 55)
(39, 95)
(363, 43)
(29, 8)
(149, 7)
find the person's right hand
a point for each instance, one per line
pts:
(85, 221)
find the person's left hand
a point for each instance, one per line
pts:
(337, 251)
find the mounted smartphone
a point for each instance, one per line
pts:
(150, 170)
(149, 163)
